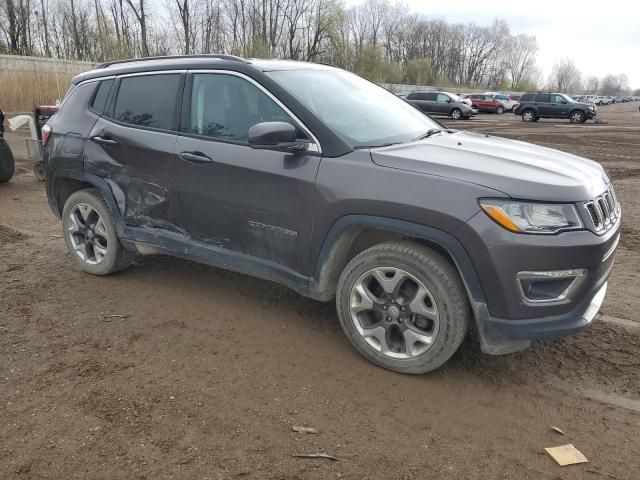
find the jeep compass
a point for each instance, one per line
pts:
(314, 178)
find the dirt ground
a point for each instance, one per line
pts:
(208, 371)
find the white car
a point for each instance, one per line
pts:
(506, 100)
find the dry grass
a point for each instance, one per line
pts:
(21, 90)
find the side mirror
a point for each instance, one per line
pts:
(449, 100)
(275, 136)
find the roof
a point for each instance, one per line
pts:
(189, 62)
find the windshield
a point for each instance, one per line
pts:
(362, 113)
(455, 97)
(568, 98)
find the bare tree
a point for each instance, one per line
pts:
(521, 58)
(142, 21)
(565, 76)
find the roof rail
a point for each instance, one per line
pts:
(220, 56)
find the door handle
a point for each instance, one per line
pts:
(104, 140)
(196, 157)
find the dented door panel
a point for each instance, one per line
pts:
(140, 163)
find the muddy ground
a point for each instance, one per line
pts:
(208, 371)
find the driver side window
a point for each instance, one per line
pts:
(442, 98)
(225, 107)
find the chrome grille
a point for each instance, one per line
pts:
(604, 211)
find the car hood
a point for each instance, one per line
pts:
(518, 169)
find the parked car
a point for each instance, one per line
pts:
(508, 102)
(593, 99)
(7, 162)
(487, 103)
(441, 103)
(537, 105)
(309, 176)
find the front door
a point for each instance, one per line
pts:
(255, 202)
(443, 104)
(559, 107)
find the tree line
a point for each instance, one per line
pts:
(379, 40)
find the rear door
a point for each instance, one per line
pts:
(132, 146)
(543, 105)
(254, 202)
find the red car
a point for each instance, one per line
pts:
(486, 103)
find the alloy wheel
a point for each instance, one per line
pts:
(87, 233)
(576, 117)
(394, 312)
(456, 114)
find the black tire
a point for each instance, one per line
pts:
(7, 162)
(117, 257)
(529, 115)
(445, 289)
(456, 114)
(577, 116)
(500, 110)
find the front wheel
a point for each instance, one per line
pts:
(577, 117)
(500, 110)
(456, 114)
(403, 307)
(90, 234)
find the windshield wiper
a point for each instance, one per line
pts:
(431, 131)
(362, 147)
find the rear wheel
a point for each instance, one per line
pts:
(403, 307)
(529, 116)
(90, 234)
(456, 114)
(577, 116)
(7, 163)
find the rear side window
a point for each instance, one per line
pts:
(147, 101)
(543, 97)
(527, 97)
(101, 96)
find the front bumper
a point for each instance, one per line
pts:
(498, 256)
(499, 331)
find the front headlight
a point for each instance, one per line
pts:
(532, 217)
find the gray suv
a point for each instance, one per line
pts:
(441, 103)
(311, 177)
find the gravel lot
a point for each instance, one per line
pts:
(208, 371)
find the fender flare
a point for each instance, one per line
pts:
(349, 223)
(111, 193)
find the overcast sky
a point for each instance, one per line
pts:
(601, 37)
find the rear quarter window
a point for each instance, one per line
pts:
(527, 97)
(101, 96)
